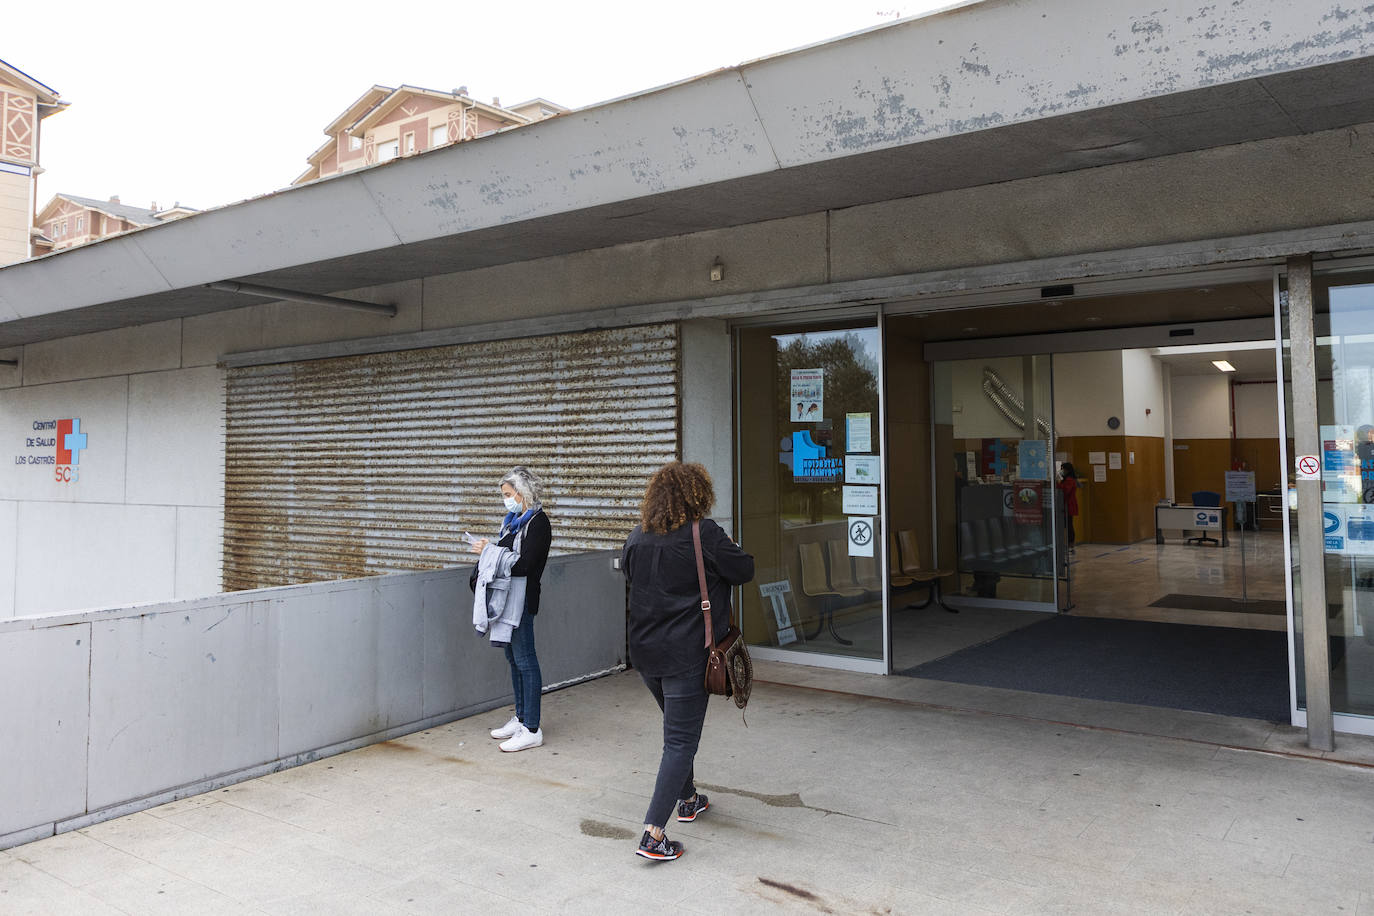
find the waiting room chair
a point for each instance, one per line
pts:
(816, 584)
(1206, 499)
(910, 565)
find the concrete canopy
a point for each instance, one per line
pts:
(979, 93)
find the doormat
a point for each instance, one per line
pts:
(1222, 603)
(1230, 672)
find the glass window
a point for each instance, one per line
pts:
(388, 151)
(80, 224)
(355, 144)
(438, 136)
(810, 501)
(408, 142)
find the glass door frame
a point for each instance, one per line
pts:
(1348, 723)
(882, 665)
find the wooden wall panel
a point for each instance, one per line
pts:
(1119, 510)
(1145, 483)
(1263, 457)
(1200, 464)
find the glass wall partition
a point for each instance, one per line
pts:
(993, 430)
(1344, 324)
(810, 492)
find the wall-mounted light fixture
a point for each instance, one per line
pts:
(1223, 365)
(717, 271)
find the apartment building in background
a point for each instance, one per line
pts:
(68, 220)
(385, 123)
(24, 103)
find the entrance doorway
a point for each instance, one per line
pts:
(1108, 503)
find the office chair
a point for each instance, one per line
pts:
(1206, 499)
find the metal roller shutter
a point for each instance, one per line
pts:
(355, 466)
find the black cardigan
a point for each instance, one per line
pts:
(666, 630)
(534, 554)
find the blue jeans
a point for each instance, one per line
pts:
(524, 673)
(683, 701)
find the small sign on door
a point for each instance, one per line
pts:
(1308, 467)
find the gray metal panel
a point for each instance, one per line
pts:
(361, 465)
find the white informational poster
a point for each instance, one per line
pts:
(808, 396)
(858, 432)
(861, 469)
(1099, 473)
(1240, 486)
(861, 536)
(1097, 457)
(860, 500)
(1114, 461)
(776, 593)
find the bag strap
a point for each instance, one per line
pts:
(701, 580)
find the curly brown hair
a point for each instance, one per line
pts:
(678, 493)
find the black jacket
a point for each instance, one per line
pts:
(534, 553)
(666, 630)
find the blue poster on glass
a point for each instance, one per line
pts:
(1034, 458)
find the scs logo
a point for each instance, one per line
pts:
(71, 441)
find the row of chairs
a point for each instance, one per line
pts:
(994, 544)
(848, 577)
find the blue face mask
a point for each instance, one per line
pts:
(511, 504)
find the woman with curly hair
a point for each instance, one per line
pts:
(666, 629)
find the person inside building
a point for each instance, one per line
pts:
(526, 532)
(667, 629)
(1068, 485)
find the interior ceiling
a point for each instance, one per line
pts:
(1203, 303)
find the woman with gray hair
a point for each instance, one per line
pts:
(525, 532)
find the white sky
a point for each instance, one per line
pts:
(207, 104)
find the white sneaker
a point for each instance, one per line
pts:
(505, 731)
(523, 740)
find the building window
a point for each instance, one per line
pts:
(61, 228)
(438, 136)
(388, 151)
(80, 224)
(355, 144)
(409, 142)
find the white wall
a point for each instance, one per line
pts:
(142, 521)
(1202, 407)
(1087, 390)
(1142, 384)
(973, 413)
(1257, 411)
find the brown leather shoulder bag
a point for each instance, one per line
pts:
(729, 670)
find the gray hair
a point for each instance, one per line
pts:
(523, 481)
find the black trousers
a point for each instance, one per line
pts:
(683, 701)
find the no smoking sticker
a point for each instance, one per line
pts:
(1308, 467)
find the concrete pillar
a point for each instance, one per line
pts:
(708, 409)
(1311, 543)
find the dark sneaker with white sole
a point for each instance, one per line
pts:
(689, 809)
(659, 850)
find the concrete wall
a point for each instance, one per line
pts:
(113, 711)
(707, 419)
(154, 387)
